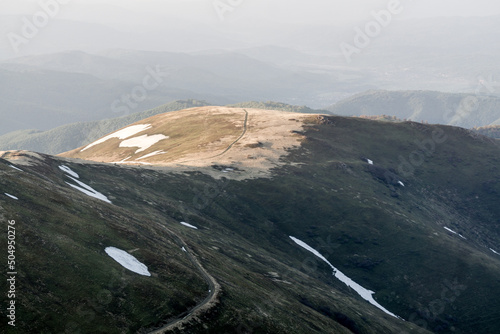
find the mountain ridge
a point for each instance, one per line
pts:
(423, 239)
(71, 136)
(457, 109)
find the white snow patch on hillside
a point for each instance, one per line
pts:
(450, 230)
(369, 161)
(12, 166)
(143, 142)
(364, 293)
(121, 134)
(12, 196)
(491, 249)
(68, 170)
(189, 225)
(401, 183)
(87, 190)
(151, 155)
(184, 249)
(128, 261)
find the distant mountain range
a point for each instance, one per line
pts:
(464, 110)
(47, 91)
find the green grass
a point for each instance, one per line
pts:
(387, 238)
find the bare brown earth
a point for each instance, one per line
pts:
(220, 141)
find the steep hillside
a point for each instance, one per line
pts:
(353, 226)
(464, 110)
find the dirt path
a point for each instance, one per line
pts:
(205, 305)
(245, 124)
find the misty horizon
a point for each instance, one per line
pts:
(314, 54)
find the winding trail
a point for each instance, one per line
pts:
(214, 287)
(206, 304)
(245, 127)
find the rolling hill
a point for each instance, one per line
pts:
(70, 136)
(323, 224)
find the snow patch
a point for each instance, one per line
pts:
(143, 142)
(401, 183)
(491, 249)
(369, 161)
(12, 196)
(189, 225)
(121, 134)
(151, 155)
(12, 166)
(127, 261)
(184, 249)
(364, 293)
(450, 230)
(87, 190)
(68, 170)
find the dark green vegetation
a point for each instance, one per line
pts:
(386, 237)
(66, 282)
(464, 110)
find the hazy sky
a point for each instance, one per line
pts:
(195, 25)
(312, 11)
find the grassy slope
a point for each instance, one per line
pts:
(68, 137)
(71, 136)
(389, 239)
(186, 136)
(387, 243)
(67, 282)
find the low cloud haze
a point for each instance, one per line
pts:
(313, 53)
(201, 24)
